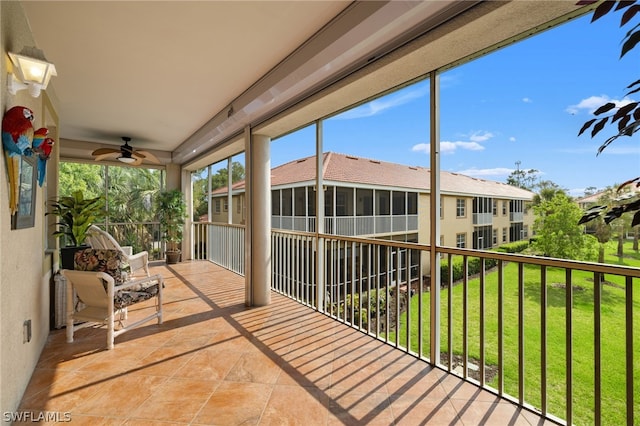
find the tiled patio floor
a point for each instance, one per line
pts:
(214, 361)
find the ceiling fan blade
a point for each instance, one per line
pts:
(107, 155)
(149, 157)
(102, 151)
(137, 154)
(137, 162)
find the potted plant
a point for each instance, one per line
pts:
(75, 215)
(172, 212)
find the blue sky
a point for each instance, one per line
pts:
(524, 103)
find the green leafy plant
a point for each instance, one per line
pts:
(626, 118)
(171, 212)
(75, 215)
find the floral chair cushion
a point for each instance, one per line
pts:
(100, 260)
(112, 262)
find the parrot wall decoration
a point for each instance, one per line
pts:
(17, 138)
(44, 152)
(42, 147)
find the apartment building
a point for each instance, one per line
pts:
(373, 198)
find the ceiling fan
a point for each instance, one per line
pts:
(126, 154)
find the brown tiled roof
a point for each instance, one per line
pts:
(357, 170)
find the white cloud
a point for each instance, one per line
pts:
(592, 103)
(483, 173)
(421, 147)
(378, 106)
(527, 100)
(480, 137)
(447, 147)
(512, 139)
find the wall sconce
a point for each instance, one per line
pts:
(31, 70)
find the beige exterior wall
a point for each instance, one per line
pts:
(238, 205)
(25, 267)
(451, 225)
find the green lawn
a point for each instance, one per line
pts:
(613, 336)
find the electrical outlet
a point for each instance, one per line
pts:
(26, 331)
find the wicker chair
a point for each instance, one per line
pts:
(98, 292)
(99, 239)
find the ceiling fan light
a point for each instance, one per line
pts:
(127, 160)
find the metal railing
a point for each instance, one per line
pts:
(554, 336)
(220, 243)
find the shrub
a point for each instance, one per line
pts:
(458, 270)
(514, 247)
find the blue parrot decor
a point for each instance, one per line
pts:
(17, 140)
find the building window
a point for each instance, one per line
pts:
(238, 205)
(495, 237)
(525, 231)
(226, 205)
(441, 207)
(504, 208)
(504, 235)
(364, 205)
(495, 208)
(398, 203)
(218, 205)
(412, 203)
(275, 202)
(460, 207)
(461, 240)
(382, 203)
(286, 206)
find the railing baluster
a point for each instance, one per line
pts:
(389, 264)
(407, 296)
(360, 287)
(398, 275)
(482, 320)
(465, 317)
(500, 328)
(377, 272)
(369, 271)
(353, 283)
(629, 348)
(450, 315)
(597, 355)
(345, 279)
(420, 292)
(569, 345)
(521, 363)
(543, 339)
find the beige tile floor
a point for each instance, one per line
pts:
(215, 362)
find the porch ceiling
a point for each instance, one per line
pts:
(181, 78)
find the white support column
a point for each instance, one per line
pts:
(260, 219)
(187, 189)
(209, 189)
(248, 173)
(434, 219)
(229, 194)
(320, 279)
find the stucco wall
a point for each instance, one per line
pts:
(24, 267)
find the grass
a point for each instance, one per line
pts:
(612, 335)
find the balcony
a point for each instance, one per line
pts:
(214, 361)
(350, 225)
(541, 333)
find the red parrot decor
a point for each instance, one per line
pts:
(17, 139)
(42, 147)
